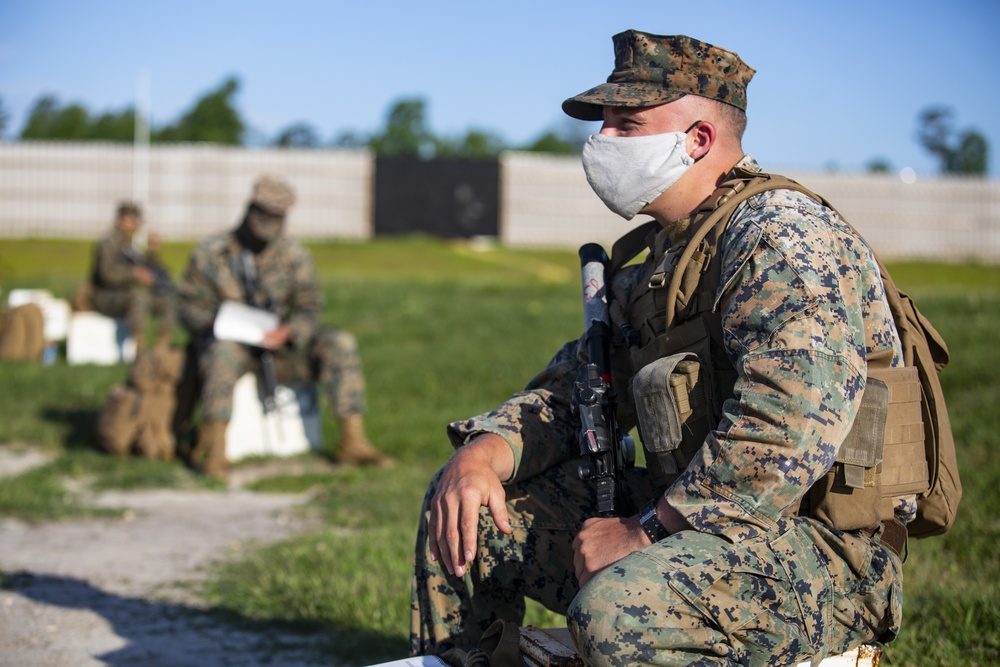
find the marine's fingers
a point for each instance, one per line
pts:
(498, 510)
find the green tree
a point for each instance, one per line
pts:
(566, 139)
(48, 119)
(878, 165)
(972, 156)
(213, 118)
(297, 135)
(965, 152)
(350, 139)
(4, 118)
(406, 131)
(550, 142)
(476, 144)
(111, 126)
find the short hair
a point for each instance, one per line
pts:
(732, 121)
(734, 118)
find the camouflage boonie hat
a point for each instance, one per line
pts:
(656, 69)
(272, 195)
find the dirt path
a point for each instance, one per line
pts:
(117, 592)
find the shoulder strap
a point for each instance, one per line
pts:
(710, 219)
(700, 256)
(630, 245)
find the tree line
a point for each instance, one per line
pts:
(214, 118)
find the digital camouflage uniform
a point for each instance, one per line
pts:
(802, 307)
(286, 285)
(116, 292)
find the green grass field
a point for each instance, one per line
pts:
(447, 330)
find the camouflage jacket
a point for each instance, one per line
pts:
(112, 268)
(797, 289)
(286, 285)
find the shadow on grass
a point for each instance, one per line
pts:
(78, 424)
(165, 633)
(79, 427)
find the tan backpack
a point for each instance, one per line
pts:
(139, 415)
(22, 332)
(691, 293)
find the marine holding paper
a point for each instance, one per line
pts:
(259, 266)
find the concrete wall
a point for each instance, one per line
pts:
(70, 190)
(546, 201)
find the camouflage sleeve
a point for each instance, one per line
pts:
(791, 299)
(200, 293)
(111, 267)
(537, 423)
(302, 314)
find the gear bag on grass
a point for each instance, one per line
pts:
(139, 415)
(915, 449)
(22, 332)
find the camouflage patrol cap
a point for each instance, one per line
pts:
(129, 208)
(272, 194)
(656, 69)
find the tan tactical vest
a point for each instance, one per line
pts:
(893, 448)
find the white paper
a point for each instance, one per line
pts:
(419, 661)
(242, 323)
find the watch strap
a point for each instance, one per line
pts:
(651, 523)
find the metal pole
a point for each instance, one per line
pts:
(140, 149)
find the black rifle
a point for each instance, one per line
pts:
(609, 451)
(269, 378)
(162, 282)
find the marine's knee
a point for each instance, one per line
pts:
(223, 357)
(589, 620)
(221, 350)
(340, 342)
(607, 629)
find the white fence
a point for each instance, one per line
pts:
(546, 201)
(70, 191)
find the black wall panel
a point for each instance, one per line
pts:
(442, 197)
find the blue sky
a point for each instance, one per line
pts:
(837, 85)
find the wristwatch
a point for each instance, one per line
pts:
(651, 523)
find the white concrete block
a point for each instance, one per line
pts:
(293, 428)
(97, 339)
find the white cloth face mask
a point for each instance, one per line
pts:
(629, 172)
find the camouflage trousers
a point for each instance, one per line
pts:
(137, 305)
(331, 358)
(803, 590)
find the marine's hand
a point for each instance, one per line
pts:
(602, 542)
(471, 480)
(276, 338)
(143, 275)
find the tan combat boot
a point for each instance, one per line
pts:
(209, 455)
(354, 446)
